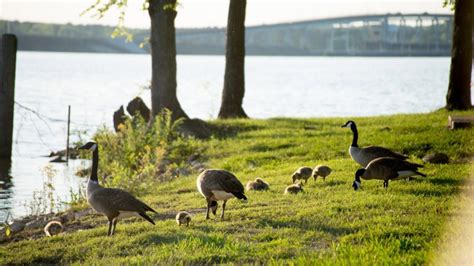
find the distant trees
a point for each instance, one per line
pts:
(459, 88)
(234, 79)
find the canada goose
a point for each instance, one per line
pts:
(183, 218)
(53, 228)
(294, 189)
(386, 168)
(365, 155)
(258, 184)
(302, 173)
(217, 185)
(322, 171)
(111, 202)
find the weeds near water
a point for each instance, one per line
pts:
(45, 200)
(76, 198)
(140, 155)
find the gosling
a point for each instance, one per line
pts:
(303, 173)
(183, 218)
(322, 171)
(294, 189)
(258, 184)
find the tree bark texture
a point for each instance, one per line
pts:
(234, 80)
(163, 58)
(459, 89)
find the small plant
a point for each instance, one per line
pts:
(45, 200)
(76, 198)
(140, 154)
(6, 224)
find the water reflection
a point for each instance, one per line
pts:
(5, 178)
(5, 185)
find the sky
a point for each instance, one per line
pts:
(212, 13)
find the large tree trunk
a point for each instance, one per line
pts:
(234, 82)
(459, 90)
(163, 58)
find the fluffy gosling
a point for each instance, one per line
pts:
(258, 184)
(294, 189)
(183, 218)
(322, 171)
(302, 173)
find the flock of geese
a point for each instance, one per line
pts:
(221, 185)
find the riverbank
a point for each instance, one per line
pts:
(328, 223)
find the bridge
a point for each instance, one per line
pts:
(397, 34)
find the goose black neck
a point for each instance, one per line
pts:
(357, 178)
(95, 165)
(355, 135)
(358, 174)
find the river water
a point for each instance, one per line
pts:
(95, 85)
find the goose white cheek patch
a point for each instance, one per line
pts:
(93, 148)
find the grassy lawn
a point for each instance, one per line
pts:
(329, 223)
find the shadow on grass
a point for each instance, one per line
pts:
(260, 147)
(308, 225)
(430, 193)
(445, 182)
(155, 238)
(223, 131)
(46, 260)
(332, 183)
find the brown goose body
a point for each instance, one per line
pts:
(112, 202)
(387, 168)
(302, 173)
(322, 171)
(365, 155)
(258, 184)
(217, 185)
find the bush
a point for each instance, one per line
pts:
(140, 155)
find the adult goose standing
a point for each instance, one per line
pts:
(386, 168)
(365, 155)
(217, 185)
(111, 202)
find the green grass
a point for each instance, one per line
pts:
(330, 223)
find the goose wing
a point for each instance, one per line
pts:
(389, 168)
(230, 184)
(120, 200)
(377, 151)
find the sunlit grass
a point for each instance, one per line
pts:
(327, 224)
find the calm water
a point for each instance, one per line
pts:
(95, 85)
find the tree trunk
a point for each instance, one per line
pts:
(459, 90)
(234, 81)
(163, 58)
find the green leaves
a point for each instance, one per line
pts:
(7, 230)
(140, 155)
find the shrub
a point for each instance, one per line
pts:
(140, 155)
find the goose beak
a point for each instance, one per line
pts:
(356, 185)
(81, 147)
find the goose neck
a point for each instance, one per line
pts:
(355, 135)
(95, 165)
